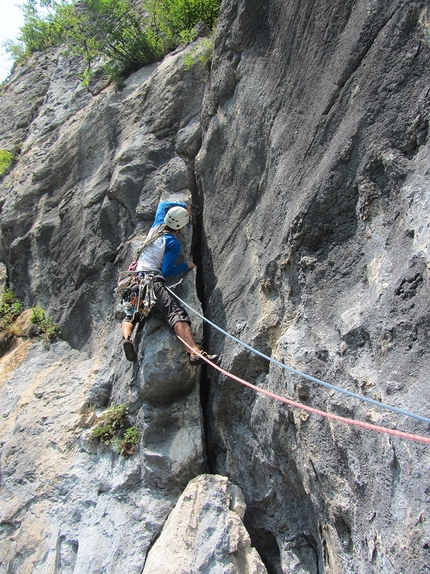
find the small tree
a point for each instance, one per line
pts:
(110, 31)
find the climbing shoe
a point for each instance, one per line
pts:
(129, 351)
(198, 360)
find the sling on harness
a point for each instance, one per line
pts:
(147, 242)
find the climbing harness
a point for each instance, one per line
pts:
(304, 375)
(136, 289)
(137, 292)
(362, 424)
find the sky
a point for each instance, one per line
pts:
(10, 21)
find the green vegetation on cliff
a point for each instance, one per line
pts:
(48, 330)
(121, 35)
(113, 428)
(10, 308)
(6, 158)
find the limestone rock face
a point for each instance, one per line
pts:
(202, 534)
(303, 151)
(63, 504)
(322, 263)
(75, 208)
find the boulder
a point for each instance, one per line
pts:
(204, 534)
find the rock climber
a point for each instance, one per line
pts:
(159, 258)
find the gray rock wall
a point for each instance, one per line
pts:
(75, 207)
(314, 163)
(304, 152)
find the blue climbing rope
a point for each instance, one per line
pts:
(304, 375)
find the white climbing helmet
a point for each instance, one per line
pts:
(177, 217)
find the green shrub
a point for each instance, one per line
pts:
(116, 417)
(7, 297)
(6, 158)
(38, 32)
(200, 54)
(112, 428)
(104, 433)
(49, 330)
(182, 15)
(111, 31)
(10, 308)
(131, 438)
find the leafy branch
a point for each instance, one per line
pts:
(119, 35)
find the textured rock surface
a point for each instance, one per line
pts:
(319, 198)
(66, 505)
(305, 154)
(74, 209)
(203, 533)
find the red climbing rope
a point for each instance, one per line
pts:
(348, 421)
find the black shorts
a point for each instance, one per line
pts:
(168, 305)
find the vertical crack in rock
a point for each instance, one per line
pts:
(262, 540)
(196, 249)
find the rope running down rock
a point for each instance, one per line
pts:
(296, 372)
